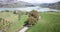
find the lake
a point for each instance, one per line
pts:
(30, 8)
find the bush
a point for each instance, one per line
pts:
(26, 13)
(34, 13)
(14, 12)
(33, 18)
(4, 24)
(6, 10)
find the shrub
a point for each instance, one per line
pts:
(0, 19)
(14, 12)
(34, 13)
(31, 21)
(33, 18)
(4, 24)
(6, 10)
(26, 13)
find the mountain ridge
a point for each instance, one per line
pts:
(52, 5)
(16, 4)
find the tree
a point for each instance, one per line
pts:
(34, 13)
(33, 18)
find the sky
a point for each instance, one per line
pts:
(40, 1)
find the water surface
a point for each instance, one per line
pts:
(30, 8)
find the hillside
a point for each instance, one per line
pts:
(55, 5)
(52, 5)
(49, 22)
(16, 5)
(13, 18)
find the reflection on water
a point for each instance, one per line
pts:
(29, 9)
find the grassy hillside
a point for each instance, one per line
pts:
(15, 23)
(49, 22)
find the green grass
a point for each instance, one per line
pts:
(16, 24)
(49, 22)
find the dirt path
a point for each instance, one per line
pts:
(24, 29)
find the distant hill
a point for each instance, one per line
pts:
(55, 5)
(16, 5)
(52, 5)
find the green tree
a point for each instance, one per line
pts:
(35, 14)
(33, 17)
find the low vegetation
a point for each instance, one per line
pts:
(12, 22)
(4, 24)
(13, 18)
(49, 22)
